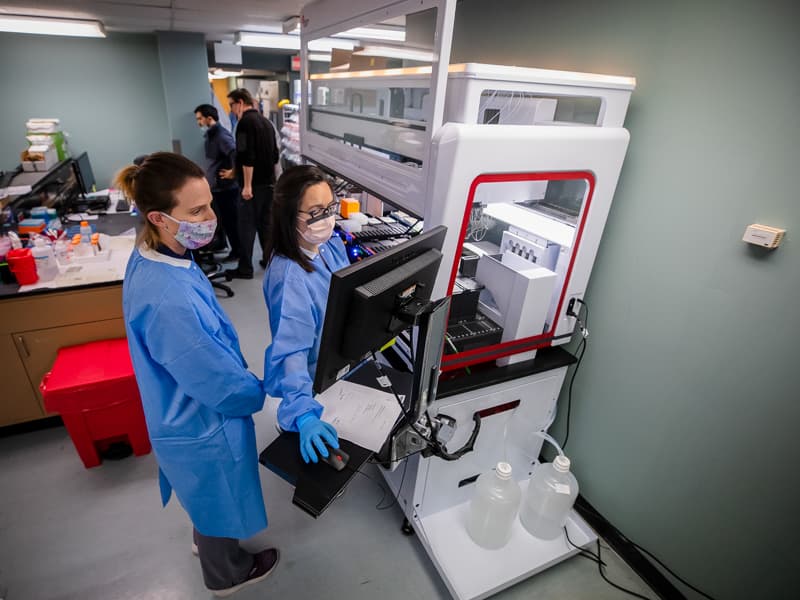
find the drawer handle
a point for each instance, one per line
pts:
(24, 346)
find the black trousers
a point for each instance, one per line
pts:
(223, 562)
(254, 218)
(227, 210)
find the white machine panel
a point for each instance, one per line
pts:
(469, 157)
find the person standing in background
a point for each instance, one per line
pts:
(256, 156)
(220, 150)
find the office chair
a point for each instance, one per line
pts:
(213, 269)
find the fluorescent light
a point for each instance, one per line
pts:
(284, 41)
(328, 44)
(377, 73)
(374, 33)
(319, 57)
(222, 74)
(291, 25)
(278, 41)
(49, 26)
(396, 52)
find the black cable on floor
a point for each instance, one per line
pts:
(611, 583)
(627, 540)
(583, 551)
(596, 558)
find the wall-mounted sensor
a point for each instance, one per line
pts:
(764, 236)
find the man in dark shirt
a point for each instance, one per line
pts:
(256, 156)
(220, 150)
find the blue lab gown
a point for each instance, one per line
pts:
(197, 394)
(296, 301)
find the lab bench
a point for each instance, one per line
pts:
(36, 323)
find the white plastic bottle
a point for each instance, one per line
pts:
(86, 233)
(551, 493)
(62, 250)
(46, 265)
(494, 508)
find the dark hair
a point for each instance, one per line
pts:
(289, 191)
(207, 111)
(241, 95)
(152, 186)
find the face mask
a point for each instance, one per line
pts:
(319, 232)
(194, 235)
(204, 128)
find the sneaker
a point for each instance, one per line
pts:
(263, 564)
(237, 274)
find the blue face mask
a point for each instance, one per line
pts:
(194, 235)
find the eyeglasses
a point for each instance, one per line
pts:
(317, 214)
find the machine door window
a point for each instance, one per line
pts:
(519, 239)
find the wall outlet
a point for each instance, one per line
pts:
(763, 235)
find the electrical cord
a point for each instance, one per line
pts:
(399, 489)
(627, 540)
(583, 551)
(598, 559)
(580, 351)
(611, 583)
(383, 489)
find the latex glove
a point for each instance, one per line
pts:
(313, 435)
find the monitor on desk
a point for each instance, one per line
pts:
(83, 173)
(55, 189)
(367, 300)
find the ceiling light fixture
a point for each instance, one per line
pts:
(291, 25)
(374, 33)
(51, 26)
(284, 41)
(222, 74)
(319, 57)
(395, 52)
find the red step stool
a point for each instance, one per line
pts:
(93, 387)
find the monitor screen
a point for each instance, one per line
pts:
(83, 171)
(361, 314)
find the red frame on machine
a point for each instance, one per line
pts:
(479, 355)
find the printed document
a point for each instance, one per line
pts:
(361, 414)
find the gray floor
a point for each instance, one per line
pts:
(101, 534)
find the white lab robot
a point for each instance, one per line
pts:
(521, 166)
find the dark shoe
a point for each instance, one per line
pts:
(263, 263)
(263, 564)
(237, 274)
(232, 257)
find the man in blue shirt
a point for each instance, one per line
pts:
(220, 150)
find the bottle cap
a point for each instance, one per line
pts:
(504, 470)
(84, 223)
(561, 464)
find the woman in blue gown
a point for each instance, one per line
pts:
(197, 393)
(302, 255)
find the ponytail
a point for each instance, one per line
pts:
(152, 185)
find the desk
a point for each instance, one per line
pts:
(34, 324)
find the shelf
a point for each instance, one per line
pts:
(472, 573)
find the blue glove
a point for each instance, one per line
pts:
(313, 435)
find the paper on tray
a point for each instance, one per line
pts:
(361, 414)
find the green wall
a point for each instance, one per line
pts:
(687, 407)
(107, 92)
(184, 74)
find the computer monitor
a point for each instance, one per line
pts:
(367, 302)
(83, 172)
